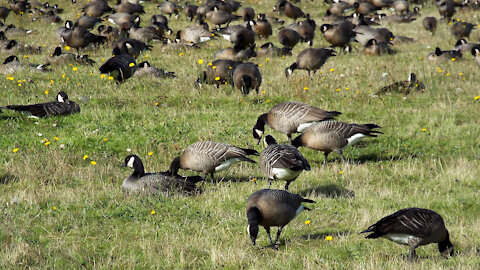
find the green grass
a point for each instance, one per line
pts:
(59, 211)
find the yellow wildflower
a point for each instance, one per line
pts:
(200, 61)
(85, 157)
(329, 238)
(150, 153)
(15, 150)
(307, 221)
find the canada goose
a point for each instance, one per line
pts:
(227, 31)
(339, 8)
(244, 38)
(168, 8)
(305, 30)
(134, 47)
(430, 24)
(382, 3)
(272, 207)
(377, 48)
(289, 9)
(288, 37)
(282, 162)
(219, 17)
(220, 72)
(61, 106)
(154, 183)
(360, 19)
(159, 19)
(365, 8)
(210, 157)
(476, 54)
(87, 22)
(339, 35)
(405, 18)
(129, 8)
(190, 11)
(64, 31)
(122, 18)
(462, 29)
(12, 30)
(273, 20)
(331, 136)
(60, 58)
(195, 34)
(413, 227)
(14, 47)
(464, 47)
(364, 33)
(145, 34)
(145, 69)
(48, 18)
(236, 54)
(203, 9)
(12, 65)
(444, 55)
(400, 6)
(291, 117)
(247, 13)
(404, 87)
(80, 38)
(4, 12)
(121, 66)
(110, 33)
(446, 8)
(269, 50)
(96, 8)
(310, 60)
(247, 76)
(262, 27)
(19, 7)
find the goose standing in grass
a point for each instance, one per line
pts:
(289, 9)
(430, 24)
(288, 37)
(218, 73)
(121, 66)
(62, 106)
(331, 136)
(291, 117)
(476, 54)
(403, 87)
(80, 37)
(282, 162)
(272, 208)
(413, 227)
(310, 60)
(246, 77)
(153, 183)
(339, 35)
(209, 157)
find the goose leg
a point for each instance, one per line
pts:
(269, 182)
(289, 138)
(412, 254)
(341, 155)
(325, 156)
(211, 176)
(267, 229)
(278, 234)
(287, 184)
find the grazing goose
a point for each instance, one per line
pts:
(291, 117)
(247, 13)
(64, 31)
(220, 72)
(413, 227)
(87, 22)
(289, 9)
(134, 47)
(244, 38)
(145, 69)
(190, 10)
(96, 8)
(247, 76)
(310, 60)
(289, 37)
(4, 12)
(123, 18)
(262, 27)
(282, 162)
(446, 8)
(400, 6)
(121, 66)
(19, 7)
(338, 35)
(403, 87)
(154, 183)
(476, 54)
(305, 30)
(219, 17)
(62, 106)
(364, 33)
(110, 33)
(444, 55)
(129, 8)
(430, 24)
(269, 50)
(331, 136)
(195, 34)
(80, 37)
(168, 8)
(272, 208)
(210, 157)
(377, 48)
(145, 34)
(236, 54)
(462, 29)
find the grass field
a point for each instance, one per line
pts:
(60, 211)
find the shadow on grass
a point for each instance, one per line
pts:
(323, 235)
(373, 157)
(330, 191)
(7, 178)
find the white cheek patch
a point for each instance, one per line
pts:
(248, 229)
(130, 162)
(259, 132)
(289, 71)
(60, 98)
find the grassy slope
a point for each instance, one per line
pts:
(58, 210)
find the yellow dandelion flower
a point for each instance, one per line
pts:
(263, 92)
(217, 78)
(211, 44)
(15, 150)
(424, 129)
(200, 61)
(47, 143)
(340, 172)
(150, 153)
(460, 74)
(93, 163)
(110, 78)
(253, 180)
(260, 65)
(358, 91)
(10, 78)
(103, 59)
(54, 208)
(267, 101)
(46, 92)
(477, 98)
(283, 57)
(210, 64)
(180, 54)
(453, 59)
(420, 58)
(85, 157)
(103, 76)
(329, 238)
(440, 71)
(26, 56)
(338, 89)
(305, 88)
(347, 88)
(266, 60)
(105, 139)
(214, 67)
(55, 138)
(91, 74)
(74, 68)
(331, 70)
(131, 64)
(153, 212)
(307, 221)
(229, 67)
(156, 104)
(145, 56)
(67, 48)
(448, 74)
(19, 84)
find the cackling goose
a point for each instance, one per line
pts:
(62, 106)
(247, 76)
(403, 87)
(121, 66)
(310, 60)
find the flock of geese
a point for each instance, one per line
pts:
(346, 21)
